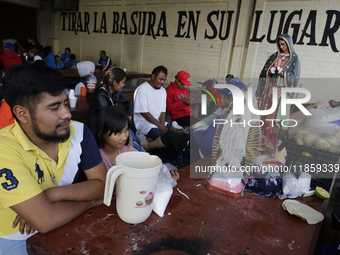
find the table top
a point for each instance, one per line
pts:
(81, 111)
(129, 75)
(204, 223)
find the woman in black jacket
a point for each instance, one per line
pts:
(109, 93)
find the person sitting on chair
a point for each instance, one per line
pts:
(150, 105)
(44, 157)
(104, 62)
(178, 100)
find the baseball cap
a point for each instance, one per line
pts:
(236, 82)
(9, 45)
(184, 77)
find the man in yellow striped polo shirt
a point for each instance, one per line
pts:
(50, 167)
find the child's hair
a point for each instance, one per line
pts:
(34, 50)
(73, 56)
(111, 120)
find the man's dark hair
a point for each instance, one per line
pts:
(40, 62)
(67, 48)
(73, 56)
(47, 49)
(159, 69)
(24, 85)
(229, 77)
(33, 38)
(103, 51)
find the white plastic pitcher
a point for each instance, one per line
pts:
(136, 174)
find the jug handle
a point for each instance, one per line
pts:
(111, 177)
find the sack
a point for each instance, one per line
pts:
(163, 191)
(319, 131)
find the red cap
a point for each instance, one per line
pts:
(184, 77)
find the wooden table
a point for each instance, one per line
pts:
(206, 223)
(72, 79)
(81, 111)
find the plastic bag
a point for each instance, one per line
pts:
(319, 131)
(238, 148)
(304, 181)
(163, 191)
(290, 186)
(228, 183)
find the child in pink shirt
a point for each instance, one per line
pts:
(112, 135)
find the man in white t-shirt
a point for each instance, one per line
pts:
(150, 105)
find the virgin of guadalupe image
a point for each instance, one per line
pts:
(282, 69)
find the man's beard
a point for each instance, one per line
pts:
(50, 137)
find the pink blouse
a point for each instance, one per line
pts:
(106, 159)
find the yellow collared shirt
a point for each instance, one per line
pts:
(25, 170)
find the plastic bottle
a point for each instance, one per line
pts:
(91, 83)
(222, 81)
(25, 54)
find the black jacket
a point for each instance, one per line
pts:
(101, 98)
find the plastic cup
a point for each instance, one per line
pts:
(83, 91)
(73, 101)
(71, 93)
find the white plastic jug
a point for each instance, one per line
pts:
(136, 174)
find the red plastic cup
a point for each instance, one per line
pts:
(83, 91)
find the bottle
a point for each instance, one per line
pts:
(91, 83)
(222, 80)
(25, 54)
